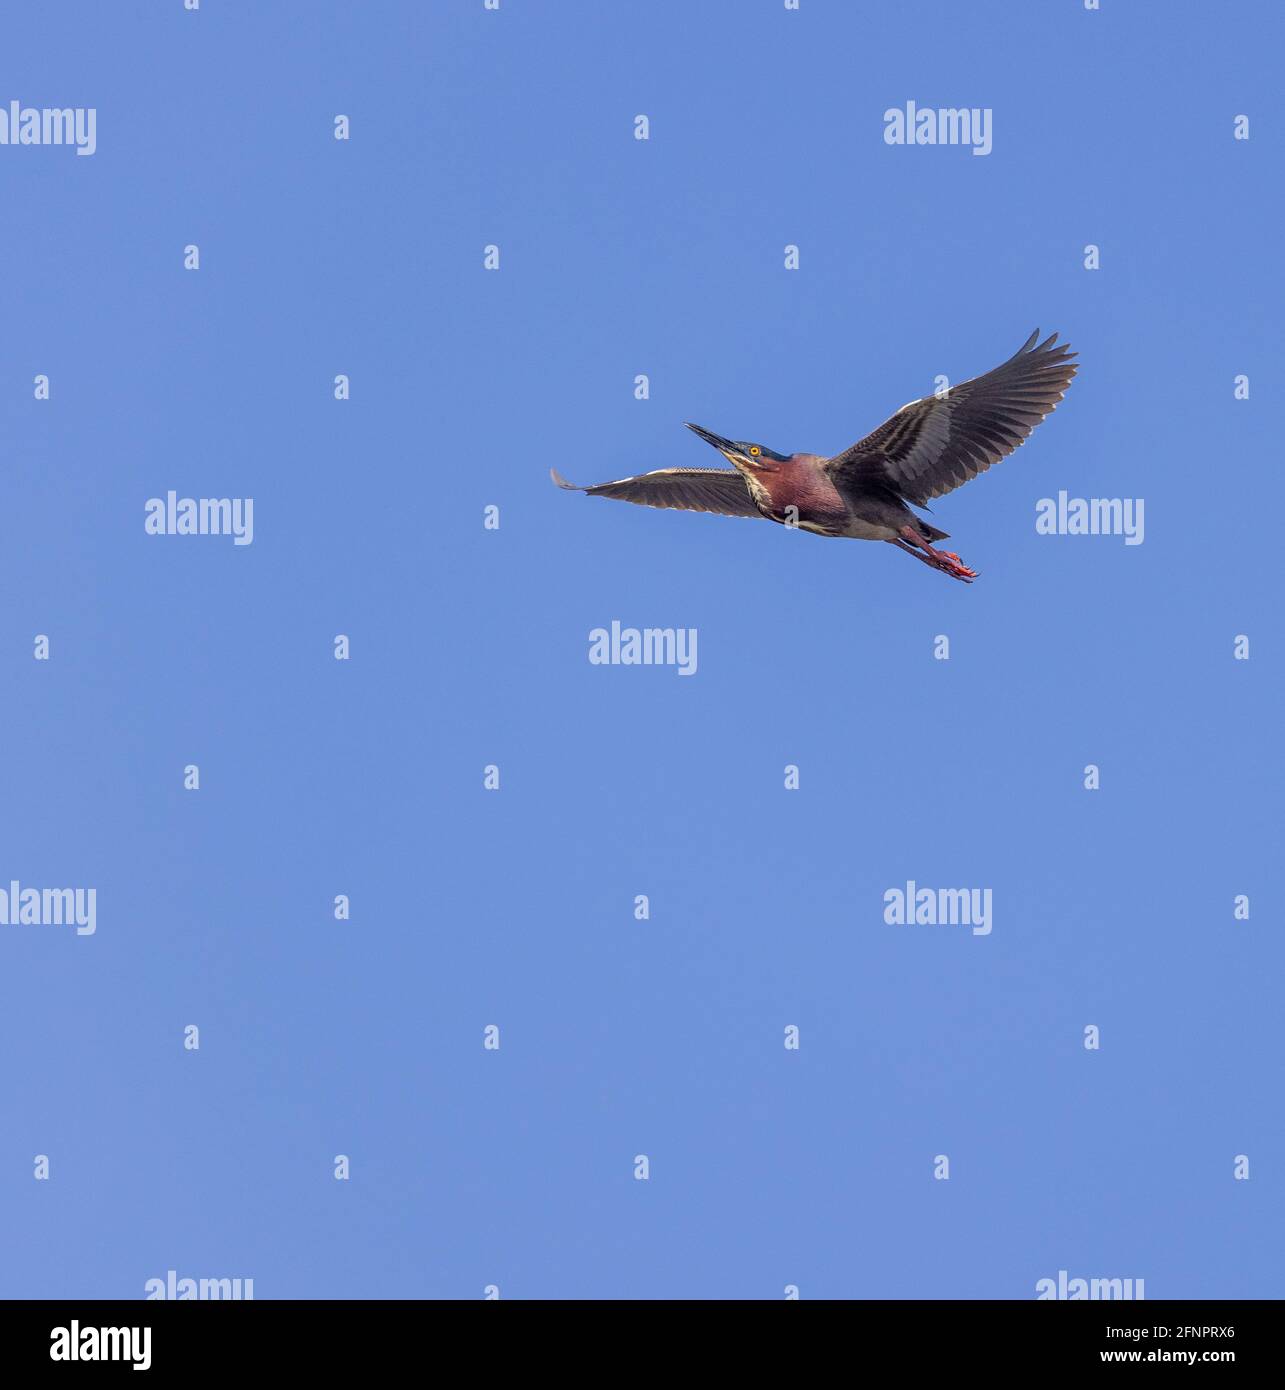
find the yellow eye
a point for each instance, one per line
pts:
(754, 449)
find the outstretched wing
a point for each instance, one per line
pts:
(692, 489)
(935, 445)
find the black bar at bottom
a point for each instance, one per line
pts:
(334, 1338)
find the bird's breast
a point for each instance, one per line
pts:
(805, 496)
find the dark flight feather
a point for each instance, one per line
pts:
(720, 490)
(934, 445)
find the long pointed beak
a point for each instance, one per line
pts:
(724, 446)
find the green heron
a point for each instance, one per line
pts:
(928, 448)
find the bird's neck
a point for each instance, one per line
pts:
(781, 482)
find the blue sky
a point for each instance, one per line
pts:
(515, 907)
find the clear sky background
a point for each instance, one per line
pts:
(515, 907)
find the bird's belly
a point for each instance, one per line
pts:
(838, 524)
(859, 530)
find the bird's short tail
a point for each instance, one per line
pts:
(931, 532)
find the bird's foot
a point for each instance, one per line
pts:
(945, 560)
(950, 563)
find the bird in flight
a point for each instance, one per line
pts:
(928, 448)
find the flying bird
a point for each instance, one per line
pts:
(928, 448)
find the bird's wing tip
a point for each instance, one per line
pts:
(561, 481)
(1050, 348)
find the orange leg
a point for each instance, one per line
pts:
(945, 560)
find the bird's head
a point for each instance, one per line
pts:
(749, 458)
